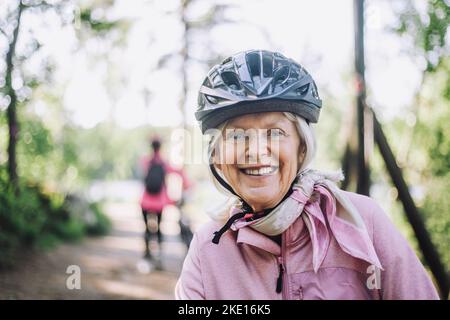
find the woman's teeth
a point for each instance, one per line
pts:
(261, 171)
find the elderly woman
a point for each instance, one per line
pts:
(290, 232)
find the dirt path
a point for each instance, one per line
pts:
(111, 266)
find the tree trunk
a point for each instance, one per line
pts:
(412, 213)
(363, 183)
(11, 111)
(185, 60)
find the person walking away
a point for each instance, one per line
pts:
(155, 196)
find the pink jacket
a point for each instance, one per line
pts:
(246, 265)
(156, 202)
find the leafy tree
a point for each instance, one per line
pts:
(427, 156)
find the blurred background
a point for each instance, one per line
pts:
(85, 84)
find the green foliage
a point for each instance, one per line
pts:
(69, 158)
(437, 212)
(35, 218)
(100, 224)
(95, 24)
(428, 159)
(48, 155)
(34, 148)
(433, 140)
(433, 126)
(428, 31)
(105, 152)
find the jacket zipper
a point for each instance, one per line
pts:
(282, 272)
(300, 293)
(280, 275)
(284, 254)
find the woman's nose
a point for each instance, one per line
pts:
(258, 148)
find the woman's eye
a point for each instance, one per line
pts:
(237, 136)
(275, 133)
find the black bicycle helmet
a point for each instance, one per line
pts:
(256, 81)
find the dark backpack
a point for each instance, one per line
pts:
(155, 178)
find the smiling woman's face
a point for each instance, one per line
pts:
(260, 156)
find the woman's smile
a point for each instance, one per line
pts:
(259, 171)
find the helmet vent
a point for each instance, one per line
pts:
(231, 79)
(303, 90)
(229, 59)
(254, 65)
(281, 75)
(315, 93)
(213, 100)
(267, 66)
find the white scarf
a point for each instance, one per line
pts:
(287, 212)
(347, 225)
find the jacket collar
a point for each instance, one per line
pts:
(252, 237)
(298, 234)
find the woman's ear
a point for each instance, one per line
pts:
(302, 151)
(301, 154)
